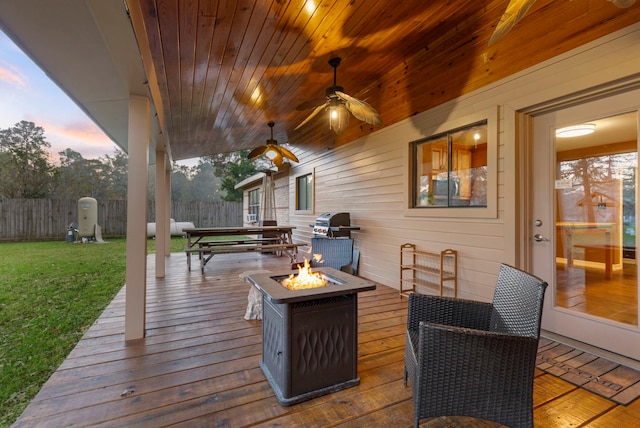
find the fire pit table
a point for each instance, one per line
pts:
(310, 336)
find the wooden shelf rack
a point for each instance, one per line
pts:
(428, 272)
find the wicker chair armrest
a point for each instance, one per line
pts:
(432, 332)
(489, 370)
(448, 311)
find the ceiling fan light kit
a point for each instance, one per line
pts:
(338, 116)
(271, 154)
(340, 106)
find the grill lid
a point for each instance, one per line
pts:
(333, 225)
(333, 219)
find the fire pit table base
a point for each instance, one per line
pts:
(310, 337)
(310, 348)
(307, 395)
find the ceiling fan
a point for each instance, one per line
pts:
(272, 151)
(516, 9)
(340, 104)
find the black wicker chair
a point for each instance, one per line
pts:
(468, 358)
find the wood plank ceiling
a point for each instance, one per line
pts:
(220, 70)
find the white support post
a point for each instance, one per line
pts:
(162, 222)
(167, 204)
(136, 271)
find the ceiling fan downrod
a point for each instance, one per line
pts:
(331, 91)
(271, 125)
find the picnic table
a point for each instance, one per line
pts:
(206, 241)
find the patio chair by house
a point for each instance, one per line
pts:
(477, 359)
(336, 253)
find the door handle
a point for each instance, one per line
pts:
(539, 238)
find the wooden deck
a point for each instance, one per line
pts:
(198, 366)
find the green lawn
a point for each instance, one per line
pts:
(50, 294)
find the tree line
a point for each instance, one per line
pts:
(27, 172)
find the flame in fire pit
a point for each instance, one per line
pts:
(305, 278)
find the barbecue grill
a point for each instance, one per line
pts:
(333, 225)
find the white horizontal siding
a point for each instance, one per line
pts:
(368, 177)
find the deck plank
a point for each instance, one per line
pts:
(198, 366)
(574, 409)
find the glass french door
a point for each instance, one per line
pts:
(584, 221)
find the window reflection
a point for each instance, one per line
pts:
(596, 177)
(451, 168)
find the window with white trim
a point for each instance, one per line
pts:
(254, 205)
(304, 192)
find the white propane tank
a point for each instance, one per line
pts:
(175, 228)
(87, 217)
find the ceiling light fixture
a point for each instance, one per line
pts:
(476, 137)
(310, 7)
(575, 130)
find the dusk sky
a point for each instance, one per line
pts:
(26, 93)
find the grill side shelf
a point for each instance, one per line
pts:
(428, 272)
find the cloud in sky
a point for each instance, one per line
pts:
(26, 93)
(82, 136)
(11, 76)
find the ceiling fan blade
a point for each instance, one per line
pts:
(256, 153)
(623, 3)
(310, 104)
(516, 9)
(360, 109)
(287, 154)
(313, 114)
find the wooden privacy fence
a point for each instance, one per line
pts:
(48, 219)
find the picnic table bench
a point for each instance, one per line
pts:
(203, 242)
